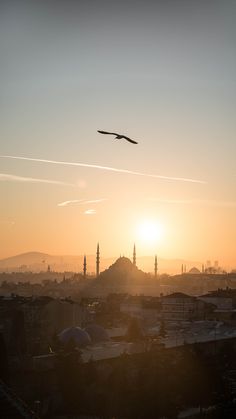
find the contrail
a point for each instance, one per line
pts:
(81, 201)
(110, 169)
(73, 201)
(13, 178)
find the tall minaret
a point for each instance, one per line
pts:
(97, 261)
(85, 266)
(134, 256)
(155, 266)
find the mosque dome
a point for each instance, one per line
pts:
(122, 267)
(76, 334)
(123, 263)
(121, 271)
(194, 270)
(97, 333)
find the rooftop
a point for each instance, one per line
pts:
(179, 295)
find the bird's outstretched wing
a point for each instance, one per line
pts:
(129, 139)
(118, 136)
(106, 132)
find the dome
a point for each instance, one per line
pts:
(121, 269)
(97, 333)
(78, 335)
(123, 264)
(194, 270)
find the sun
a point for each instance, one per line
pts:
(149, 231)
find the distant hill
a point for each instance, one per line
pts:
(37, 262)
(24, 259)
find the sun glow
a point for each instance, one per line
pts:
(150, 231)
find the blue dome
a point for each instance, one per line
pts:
(78, 335)
(97, 333)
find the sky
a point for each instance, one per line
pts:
(161, 72)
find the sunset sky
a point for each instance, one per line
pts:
(161, 72)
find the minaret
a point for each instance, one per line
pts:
(134, 256)
(203, 268)
(182, 268)
(97, 261)
(85, 267)
(155, 266)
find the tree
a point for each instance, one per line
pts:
(134, 332)
(162, 330)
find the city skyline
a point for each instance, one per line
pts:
(163, 74)
(96, 263)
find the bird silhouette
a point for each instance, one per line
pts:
(118, 136)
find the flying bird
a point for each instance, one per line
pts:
(118, 136)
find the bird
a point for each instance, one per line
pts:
(118, 136)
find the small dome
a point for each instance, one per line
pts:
(194, 270)
(97, 333)
(76, 334)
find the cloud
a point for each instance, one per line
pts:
(90, 212)
(106, 168)
(73, 201)
(6, 177)
(81, 202)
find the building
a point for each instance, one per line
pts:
(224, 301)
(221, 299)
(29, 324)
(179, 306)
(143, 308)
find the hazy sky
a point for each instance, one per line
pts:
(162, 72)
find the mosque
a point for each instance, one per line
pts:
(120, 262)
(122, 276)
